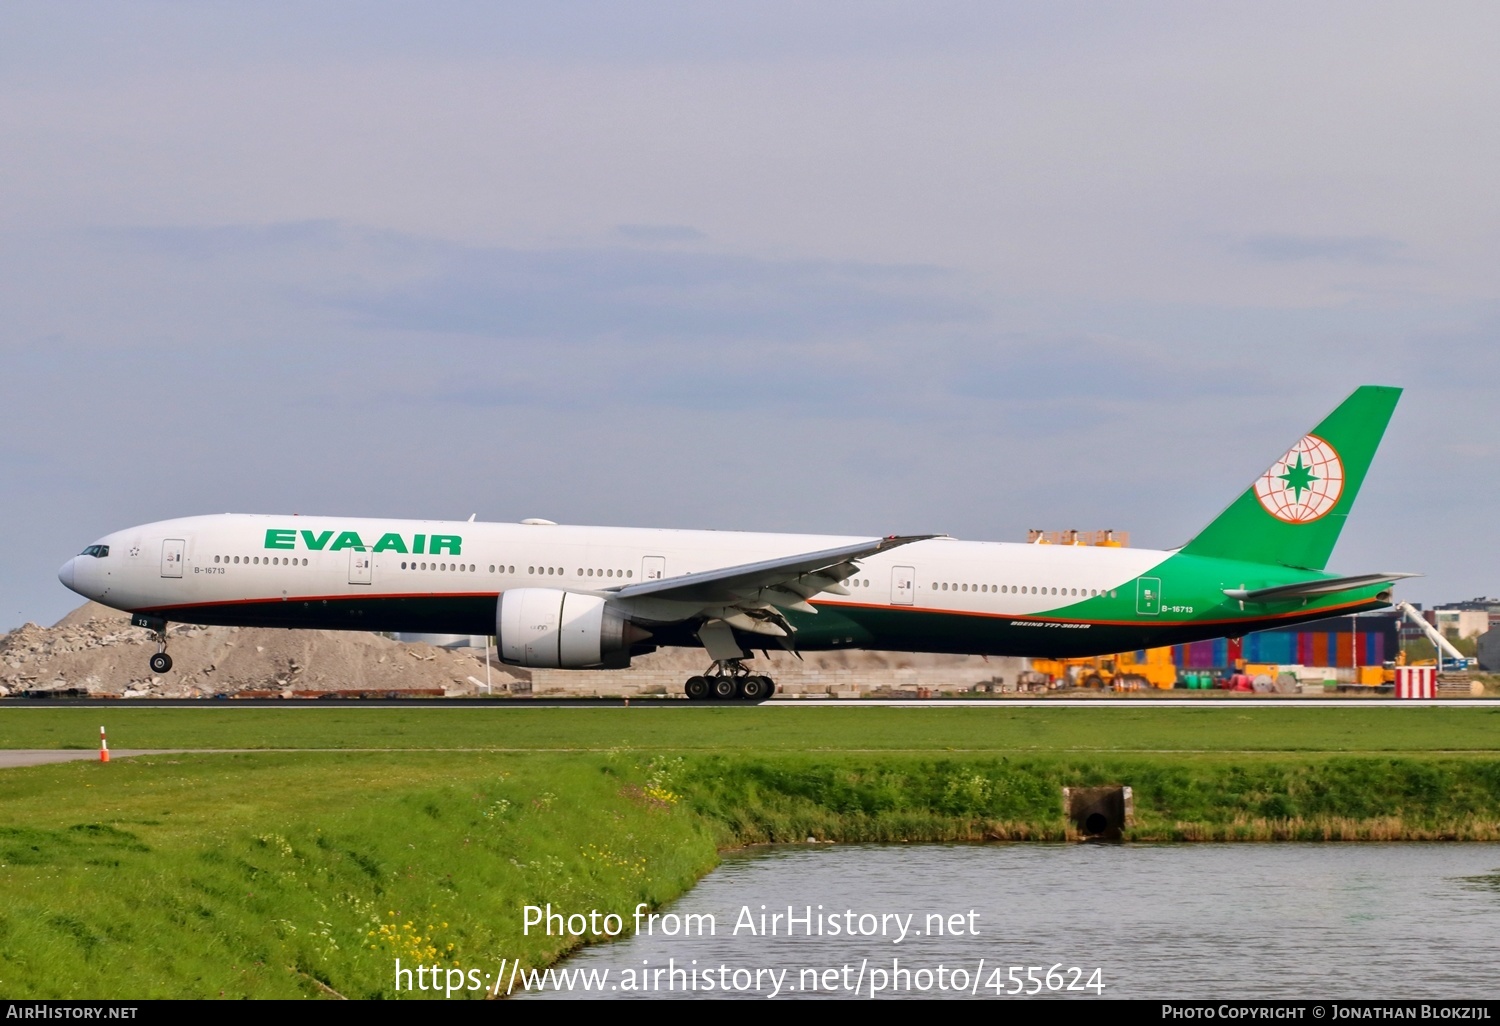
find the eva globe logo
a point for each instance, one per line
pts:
(1304, 484)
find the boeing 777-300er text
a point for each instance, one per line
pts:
(593, 597)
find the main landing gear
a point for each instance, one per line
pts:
(728, 680)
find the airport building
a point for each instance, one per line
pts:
(1466, 619)
(1489, 650)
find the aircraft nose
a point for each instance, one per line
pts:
(66, 574)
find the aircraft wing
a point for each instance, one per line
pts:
(1311, 589)
(749, 596)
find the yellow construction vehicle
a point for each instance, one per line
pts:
(1120, 672)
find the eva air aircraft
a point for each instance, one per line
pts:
(593, 597)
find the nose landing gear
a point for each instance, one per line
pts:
(729, 680)
(160, 662)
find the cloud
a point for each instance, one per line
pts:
(576, 294)
(1365, 250)
(227, 240)
(659, 233)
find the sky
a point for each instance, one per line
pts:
(855, 268)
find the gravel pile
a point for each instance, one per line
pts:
(95, 648)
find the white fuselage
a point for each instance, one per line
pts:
(438, 575)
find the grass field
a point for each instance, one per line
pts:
(282, 875)
(306, 873)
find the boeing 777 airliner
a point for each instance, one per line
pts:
(592, 597)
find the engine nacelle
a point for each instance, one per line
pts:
(549, 629)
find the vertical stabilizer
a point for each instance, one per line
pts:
(1293, 513)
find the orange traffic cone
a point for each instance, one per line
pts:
(103, 746)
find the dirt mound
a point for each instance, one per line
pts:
(96, 648)
(92, 611)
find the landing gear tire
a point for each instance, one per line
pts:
(729, 681)
(755, 689)
(161, 663)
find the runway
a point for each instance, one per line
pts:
(1227, 702)
(12, 758)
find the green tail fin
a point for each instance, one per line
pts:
(1293, 513)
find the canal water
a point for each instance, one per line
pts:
(1186, 921)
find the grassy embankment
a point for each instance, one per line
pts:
(279, 874)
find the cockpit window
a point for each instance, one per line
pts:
(98, 551)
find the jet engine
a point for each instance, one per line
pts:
(549, 629)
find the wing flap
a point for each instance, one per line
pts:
(807, 574)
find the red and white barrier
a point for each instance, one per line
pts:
(1416, 682)
(103, 746)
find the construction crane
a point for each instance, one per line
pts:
(1449, 658)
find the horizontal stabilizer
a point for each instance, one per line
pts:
(1312, 589)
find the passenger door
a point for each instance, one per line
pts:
(903, 585)
(171, 557)
(361, 566)
(1148, 596)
